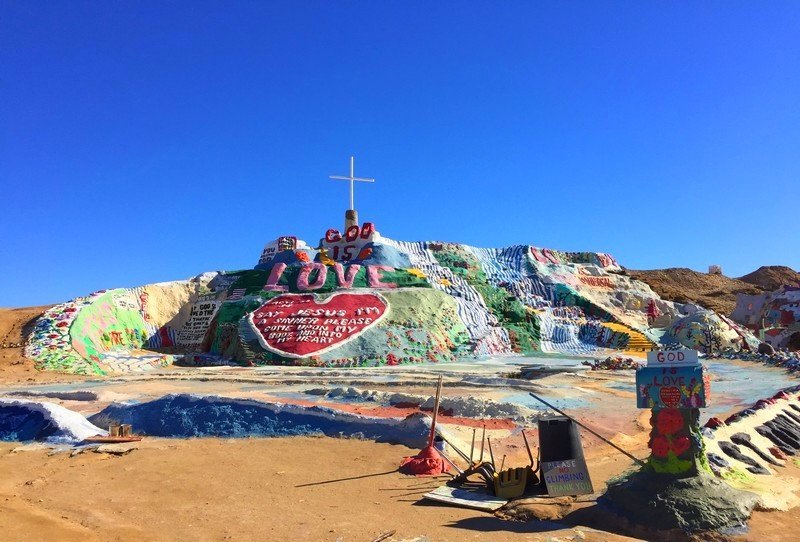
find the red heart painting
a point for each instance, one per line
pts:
(301, 325)
(670, 396)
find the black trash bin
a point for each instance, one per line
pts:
(560, 446)
(559, 439)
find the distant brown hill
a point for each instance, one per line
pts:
(682, 285)
(14, 326)
(772, 277)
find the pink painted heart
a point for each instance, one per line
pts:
(670, 396)
(301, 325)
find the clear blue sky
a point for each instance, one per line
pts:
(150, 141)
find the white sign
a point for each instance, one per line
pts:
(350, 246)
(570, 477)
(200, 317)
(672, 358)
(468, 498)
(285, 242)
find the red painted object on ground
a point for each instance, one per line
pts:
(427, 462)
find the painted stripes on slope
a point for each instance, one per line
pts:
(481, 324)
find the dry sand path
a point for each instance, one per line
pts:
(247, 489)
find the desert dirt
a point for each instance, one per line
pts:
(294, 488)
(298, 488)
(716, 292)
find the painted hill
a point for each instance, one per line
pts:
(775, 316)
(682, 285)
(360, 299)
(773, 277)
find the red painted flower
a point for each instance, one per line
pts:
(660, 446)
(669, 421)
(680, 444)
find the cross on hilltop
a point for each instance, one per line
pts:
(352, 178)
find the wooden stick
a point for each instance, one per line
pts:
(450, 461)
(639, 461)
(491, 454)
(435, 410)
(456, 450)
(483, 440)
(527, 447)
(472, 448)
(385, 535)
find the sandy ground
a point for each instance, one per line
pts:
(297, 488)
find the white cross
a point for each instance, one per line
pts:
(352, 178)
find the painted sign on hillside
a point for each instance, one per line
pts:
(353, 245)
(195, 328)
(300, 325)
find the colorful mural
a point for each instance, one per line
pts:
(708, 332)
(672, 387)
(437, 302)
(774, 317)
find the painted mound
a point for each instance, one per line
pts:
(22, 420)
(359, 299)
(775, 316)
(198, 416)
(707, 331)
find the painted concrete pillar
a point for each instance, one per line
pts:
(350, 218)
(674, 385)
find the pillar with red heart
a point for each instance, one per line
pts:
(674, 393)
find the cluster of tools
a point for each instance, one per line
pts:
(507, 483)
(560, 466)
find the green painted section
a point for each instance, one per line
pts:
(422, 326)
(113, 321)
(226, 340)
(66, 361)
(737, 475)
(671, 465)
(522, 324)
(566, 295)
